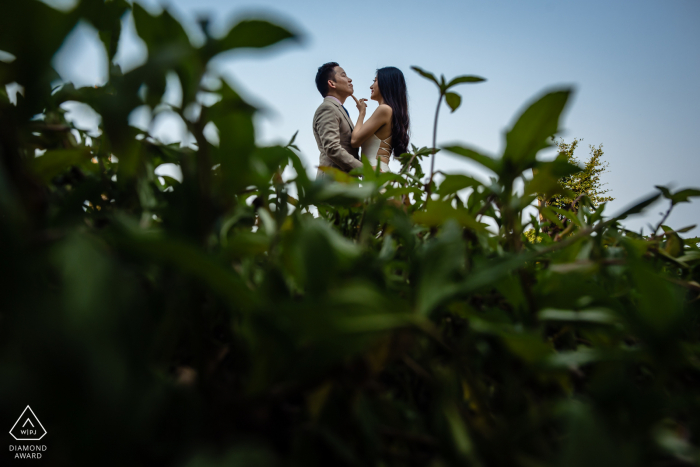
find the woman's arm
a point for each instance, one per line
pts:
(363, 130)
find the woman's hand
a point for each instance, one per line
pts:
(361, 104)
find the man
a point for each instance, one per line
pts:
(332, 124)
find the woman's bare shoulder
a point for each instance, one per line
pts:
(384, 111)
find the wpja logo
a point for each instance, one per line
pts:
(28, 428)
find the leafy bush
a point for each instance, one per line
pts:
(216, 321)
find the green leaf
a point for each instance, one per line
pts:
(545, 180)
(453, 100)
(488, 162)
(684, 195)
(159, 32)
(568, 214)
(344, 194)
(551, 216)
(377, 322)
(426, 75)
(396, 192)
(254, 34)
(440, 265)
(338, 175)
(528, 347)
(602, 316)
(674, 245)
(460, 436)
(681, 196)
(637, 208)
(464, 79)
(106, 17)
(192, 261)
(291, 141)
(455, 182)
(686, 229)
(169, 181)
(487, 274)
(691, 241)
(664, 191)
(438, 212)
(302, 179)
(169, 48)
(268, 160)
(246, 244)
(573, 359)
(535, 126)
(33, 32)
(57, 161)
(233, 116)
(690, 256)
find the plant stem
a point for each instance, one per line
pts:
(432, 160)
(663, 220)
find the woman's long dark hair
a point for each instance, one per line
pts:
(392, 87)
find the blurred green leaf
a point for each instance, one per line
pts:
(107, 17)
(453, 183)
(160, 32)
(441, 265)
(602, 315)
(681, 196)
(426, 74)
(464, 79)
(254, 33)
(439, 212)
(57, 161)
(674, 245)
(546, 176)
(637, 208)
(342, 194)
(486, 161)
(453, 100)
(527, 347)
(192, 261)
(534, 127)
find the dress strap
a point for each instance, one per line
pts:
(388, 150)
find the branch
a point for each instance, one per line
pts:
(432, 159)
(663, 219)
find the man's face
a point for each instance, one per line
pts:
(341, 82)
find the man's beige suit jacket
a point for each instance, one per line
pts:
(333, 131)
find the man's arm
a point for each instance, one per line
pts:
(328, 130)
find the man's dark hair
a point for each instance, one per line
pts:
(325, 72)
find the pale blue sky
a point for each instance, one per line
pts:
(635, 66)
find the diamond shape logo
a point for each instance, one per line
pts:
(28, 427)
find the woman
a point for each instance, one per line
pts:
(386, 131)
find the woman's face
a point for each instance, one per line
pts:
(374, 90)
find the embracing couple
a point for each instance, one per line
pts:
(384, 133)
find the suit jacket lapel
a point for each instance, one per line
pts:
(342, 111)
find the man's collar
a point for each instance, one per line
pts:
(335, 99)
(342, 109)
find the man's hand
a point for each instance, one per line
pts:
(361, 104)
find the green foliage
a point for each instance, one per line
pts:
(216, 321)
